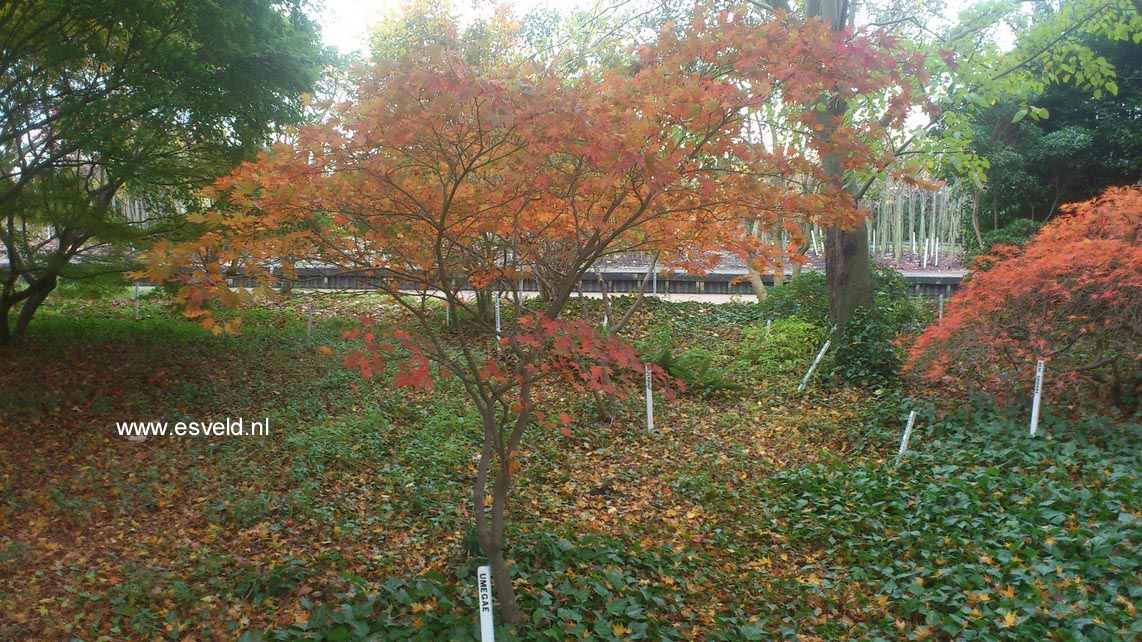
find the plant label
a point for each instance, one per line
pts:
(649, 401)
(1038, 396)
(816, 362)
(499, 322)
(484, 587)
(907, 436)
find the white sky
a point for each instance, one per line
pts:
(345, 23)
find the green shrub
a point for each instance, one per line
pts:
(789, 347)
(895, 303)
(697, 368)
(868, 350)
(93, 288)
(806, 296)
(1017, 232)
(866, 354)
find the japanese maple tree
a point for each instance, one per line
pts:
(438, 176)
(1072, 297)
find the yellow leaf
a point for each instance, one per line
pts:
(1009, 620)
(619, 629)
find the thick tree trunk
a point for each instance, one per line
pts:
(848, 273)
(848, 270)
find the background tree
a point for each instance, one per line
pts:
(1020, 124)
(106, 98)
(970, 71)
(1085, 145)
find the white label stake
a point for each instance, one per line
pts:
(309, 326)
(136, 300)
(941, 304)
(1038, 396)
(649, 402)
(813, 368)
(907, 435)
(484, 586)
(499, 327)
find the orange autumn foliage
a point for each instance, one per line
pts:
(1072, 297)
(438, 171)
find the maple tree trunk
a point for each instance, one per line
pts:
(38, 292)
(494, 549)
(759, 289)
(5, 309)
(490, 525)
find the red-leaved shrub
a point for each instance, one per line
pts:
(1072, 297)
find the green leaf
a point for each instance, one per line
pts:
(1019, 115)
